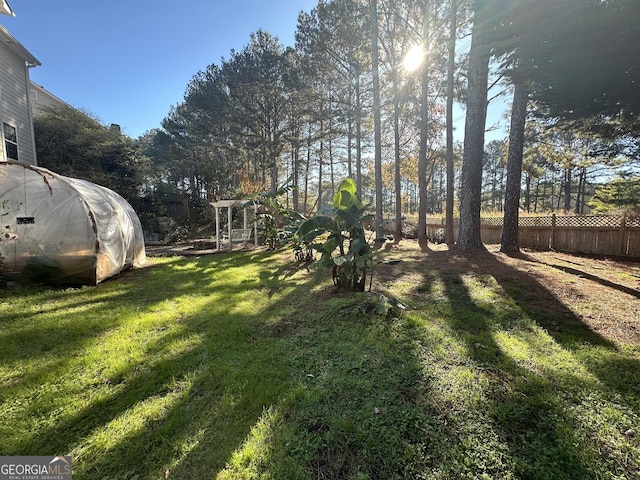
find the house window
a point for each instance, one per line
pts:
(10, 141)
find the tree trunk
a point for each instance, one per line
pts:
(376, 118)
(584, 190)
(580, 194)
(509, 241)
(494, 187)
(274, 151)
(398, 160)
(448, 233)
(471, 191)
(358, 138)
(320, 155)
(527, 193)
(295, 167)
(306, 171)
(424, 114)
(331, 171)
(537, 194)
(501, 197)
(567, 189)
(274, 176)
(349, 146)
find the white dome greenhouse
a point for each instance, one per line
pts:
(56, 229)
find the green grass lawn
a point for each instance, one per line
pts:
(236, 366)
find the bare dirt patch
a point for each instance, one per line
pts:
(604, 294)
(189, 248)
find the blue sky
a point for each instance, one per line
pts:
(127, 62)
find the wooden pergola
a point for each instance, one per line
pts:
(230, 205)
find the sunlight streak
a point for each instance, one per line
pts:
(413, 59)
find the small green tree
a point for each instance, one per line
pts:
(340, 239)
(75, 144)
(279, 223)
(623, 193)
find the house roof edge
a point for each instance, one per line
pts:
(18, 48)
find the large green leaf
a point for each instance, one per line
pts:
(348, 219)
(287, 186)
(348, 185)
(346, 196)
(330, 245)
(341, 260)
(359, 247)
(361, 261)
(346, 200)
(319, 222)
(310, 237)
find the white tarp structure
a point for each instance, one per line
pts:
(57, 229)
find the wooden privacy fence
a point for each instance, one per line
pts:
(592, 234)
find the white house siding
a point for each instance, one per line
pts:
(42, 100)
(15, 108)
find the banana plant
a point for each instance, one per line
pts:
(340, 239)
(278, 223)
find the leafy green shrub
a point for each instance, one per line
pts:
(180, 234)
(278, 223)
(340, 239)
(380, 305)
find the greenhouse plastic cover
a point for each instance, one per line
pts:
(56, 229)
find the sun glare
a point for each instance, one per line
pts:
(413, 59)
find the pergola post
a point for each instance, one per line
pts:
(217, 228)
(255, 223)
(230, 205)
(230, 226)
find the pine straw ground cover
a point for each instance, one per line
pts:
(236, 366)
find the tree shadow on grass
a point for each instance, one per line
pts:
(214, 400)
(356, 411)
(608, 363)
(377, 401)
(531, 415)
(330, 392)
(61, 323)
(602, 281)
(189, 400)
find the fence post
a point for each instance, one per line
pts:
(624, 235)
(553, 231)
